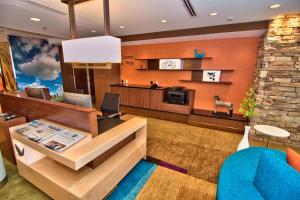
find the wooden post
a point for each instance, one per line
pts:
(73, 30)
(107, 30)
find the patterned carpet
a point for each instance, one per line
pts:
(171, 185)
(199, 151)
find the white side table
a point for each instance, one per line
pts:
(3, 178)
(271, 131)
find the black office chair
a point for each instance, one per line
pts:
(110, 109)
(110, 106)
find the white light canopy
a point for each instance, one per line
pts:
(103, 49)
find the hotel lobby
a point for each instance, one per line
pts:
(140, 99)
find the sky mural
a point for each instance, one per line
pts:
(36, 63)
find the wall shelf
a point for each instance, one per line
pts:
(200, 81)
(189, 64)
(184, 69)
(173, 58)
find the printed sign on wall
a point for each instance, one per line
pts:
(170, 64)
(211, 76)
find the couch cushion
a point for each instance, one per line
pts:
(293, 159)
(275, 179)
(237, 174)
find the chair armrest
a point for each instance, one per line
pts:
(109, 116)
(114, 115)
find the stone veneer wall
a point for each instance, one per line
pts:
(277, 79)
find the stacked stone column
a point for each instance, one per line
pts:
(277, 79)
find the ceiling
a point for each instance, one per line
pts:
(138, 16)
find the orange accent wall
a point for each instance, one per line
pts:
(1, 84)
(238, 54)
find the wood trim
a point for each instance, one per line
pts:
(72, 20)
(34, 33)
(229, 125)
(6, 146)
(77, 117)
(87, 149)
(73, 1)
(258, 25)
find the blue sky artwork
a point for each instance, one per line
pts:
(36, 63)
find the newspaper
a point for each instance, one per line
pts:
(49, 135)
(63, 140)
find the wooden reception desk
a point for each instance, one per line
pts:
(65, 175)
(88, 170)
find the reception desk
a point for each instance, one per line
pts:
(65, 175)
(88, 170)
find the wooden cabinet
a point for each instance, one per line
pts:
(156, 99)
(139, 97)
(6, 146)
(153, 99)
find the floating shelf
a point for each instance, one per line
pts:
(184, 69)
(173, 58)
(199, 81)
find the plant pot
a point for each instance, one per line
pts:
(244, 144)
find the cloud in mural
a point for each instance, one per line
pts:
(36, 63)
(34, 85)
(42, 66)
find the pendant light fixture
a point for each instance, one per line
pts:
(103, 49)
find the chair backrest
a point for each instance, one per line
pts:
(110, 103)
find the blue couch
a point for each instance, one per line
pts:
(238, 172)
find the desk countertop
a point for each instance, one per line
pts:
(138, 86)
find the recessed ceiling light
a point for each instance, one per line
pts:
(122, 26)
(163, 21)
(93, 31)
(213, 14)
(275, 6)
(35, 19)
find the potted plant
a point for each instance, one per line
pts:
(247, 109)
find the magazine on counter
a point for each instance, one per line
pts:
(64, 139)
(49, 135)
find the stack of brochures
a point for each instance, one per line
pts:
(49, 135)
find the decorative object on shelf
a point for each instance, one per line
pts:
(226, 104)
(247, 109)
(154, 84)
(124, 82)
(211, 75)
(175, 64)
(198, 55)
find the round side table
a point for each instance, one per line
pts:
(3, 177)
(271, 131)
